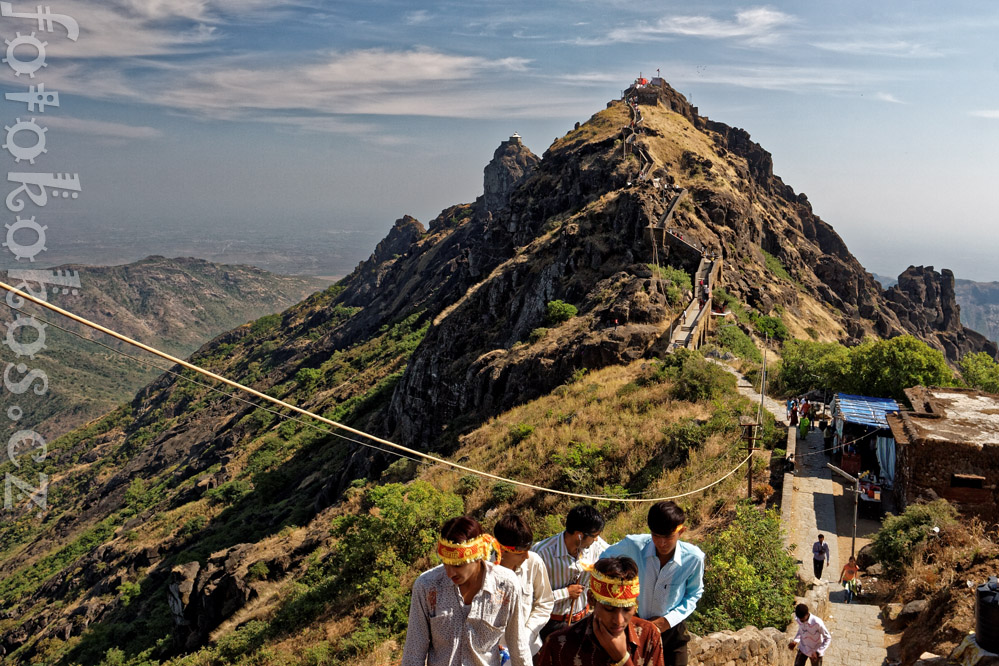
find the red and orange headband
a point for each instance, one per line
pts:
(613, 591)
(456, 554)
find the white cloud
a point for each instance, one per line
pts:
(890, 48)
(418, 17)
(992, 114)
(101, 128)
(791, 79)
(887, 97)
(758, 25)
(318, 94)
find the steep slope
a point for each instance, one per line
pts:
(174, 304)
(187, 493)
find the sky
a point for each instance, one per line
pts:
(227, 118)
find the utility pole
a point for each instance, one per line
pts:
(749, 434)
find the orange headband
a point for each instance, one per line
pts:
(476, 549)
(613, 591)
(511, 549)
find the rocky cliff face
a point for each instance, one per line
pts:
(925, 302)
(511, 164)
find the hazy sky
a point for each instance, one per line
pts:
(216, 116)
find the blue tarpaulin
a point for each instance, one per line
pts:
(863, 410)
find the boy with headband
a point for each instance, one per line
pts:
(515, 537)
(612, 635)
(464, 609)
(672, 575)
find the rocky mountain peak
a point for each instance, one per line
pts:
(512, 163)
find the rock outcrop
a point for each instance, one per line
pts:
(511, 164)
(926, 305)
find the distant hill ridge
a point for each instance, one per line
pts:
(176, 305)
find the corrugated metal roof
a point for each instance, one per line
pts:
(864, 410)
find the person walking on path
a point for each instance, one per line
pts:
(568, 557)
(850, 578)
(672, 575)
(812, 639)
(794, 414)
(789, 409)
(803, 427)
(463, 609)
(820, 556)
(612, 635)
(536, 599)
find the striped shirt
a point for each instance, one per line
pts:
(565, 570)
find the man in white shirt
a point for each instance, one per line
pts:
(568, 555)
(536, 601)
(812, 639)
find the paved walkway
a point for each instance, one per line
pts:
(746, 389)
(858, 636)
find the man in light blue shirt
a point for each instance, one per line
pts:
(672, 577)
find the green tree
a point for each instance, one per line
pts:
(749, 578)
(807, 365)
(980, 371)
(885, 368)
(376, 547)
(557, 312)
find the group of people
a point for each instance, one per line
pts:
(849, 576)
(802, 413)
(568, 600)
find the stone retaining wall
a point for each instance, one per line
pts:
(747, 647)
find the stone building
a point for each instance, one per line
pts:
(948, 446)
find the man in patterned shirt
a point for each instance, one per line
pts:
(464, 609)
(613, 635)
(567, 556)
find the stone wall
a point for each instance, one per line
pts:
(756, 647)
(923, 471)
(747, 647)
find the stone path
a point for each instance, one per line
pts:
(812, 508)
(745, 388)
(857, 636)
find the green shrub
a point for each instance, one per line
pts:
(696, 379)
(900, 537)
(258, 570)
(736, 341)
(127, 591)
(577, 375)
(557, 312)
(193, 526)
(229, 492)
(468, 484)
(750, 576)
(503, 493)
(769, 326)
(538, 334)
(520, 432)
